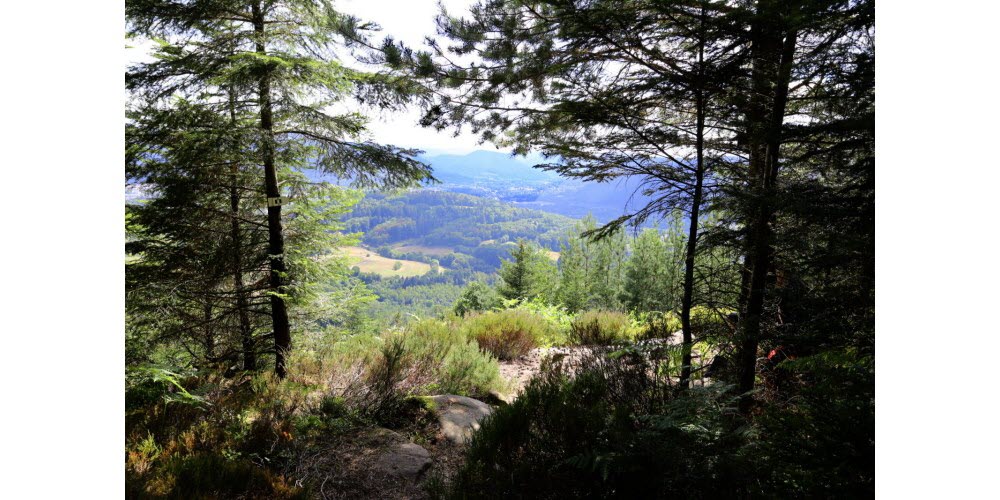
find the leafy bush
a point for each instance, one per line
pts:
(476, 296)
(507, 334)
(556, 316)
(468, 371)
(820, 442)
(710, 324)
(599, 328)
(657, 325)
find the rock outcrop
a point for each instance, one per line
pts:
(406, 460)
(459, 416)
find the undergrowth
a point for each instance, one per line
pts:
(507, 334)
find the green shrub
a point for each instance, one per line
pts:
(599, 328)
(384, 378)
(710, 325)
(468, 371)
(507, 334)
(447, 361)
(556, 316)
(476, 297)
(657, 325)
(616, 430)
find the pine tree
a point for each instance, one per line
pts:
(654, 270)
(195, 244)
(592, 272)
(612, 89)
(690, 97)
(278, 60)
(529, 275)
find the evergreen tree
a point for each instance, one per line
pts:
(691, 97)
(277, 59)
(653, 271)
(612, 89)
(592, 272)
(530, 274)
(799, 52)
(198, 247)
(196, 250)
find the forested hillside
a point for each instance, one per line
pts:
(475, 231)
(497, 176)
(364, 334)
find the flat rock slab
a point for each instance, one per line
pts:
(407, 460)
(459, 416)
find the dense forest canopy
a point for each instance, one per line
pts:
(713, 338)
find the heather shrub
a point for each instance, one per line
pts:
(507, 334)
(617, 429)
(466, 370)
(597, 327)
(449, 361)
(556, 316)
(210, 475)
(657, 325)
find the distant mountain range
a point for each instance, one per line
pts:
(498, 176)
(511, 179)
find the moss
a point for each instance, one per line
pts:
(425, 402)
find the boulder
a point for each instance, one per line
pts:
(406, 460)
(459, 416)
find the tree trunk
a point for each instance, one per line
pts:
(209, 333)
(246, 333)
(687, 300)
(276, 240)
(774, 47)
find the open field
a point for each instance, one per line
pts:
(370, 262)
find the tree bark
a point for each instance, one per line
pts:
(276, 240)
(208, 332)
(774, 47)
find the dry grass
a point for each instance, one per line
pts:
(370, 262)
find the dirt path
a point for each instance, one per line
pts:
(519, 371)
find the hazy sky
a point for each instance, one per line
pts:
(410, 21)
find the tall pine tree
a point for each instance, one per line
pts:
(278, 59)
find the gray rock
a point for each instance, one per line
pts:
(459, 416)
(407, 460)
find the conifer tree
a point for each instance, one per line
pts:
(690, 97)
(278, 59)
(653, 271)
(529, 275)
(196, 241)
(611, 89)
(592, 272)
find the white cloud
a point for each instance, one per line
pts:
(410, 22)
